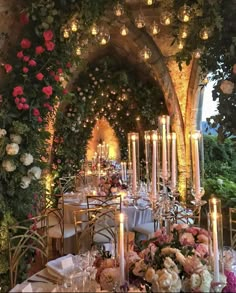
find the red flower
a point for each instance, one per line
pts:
(25, 107)
(19, 106)
(39, 76)
(47, 105)
(26, 58)
(49, 45)
(52, 73)
(68, 65)
(36, 112)
(48, 35)
(30, 216)
(8, 68)
(25, 44)
(24, 18)
(17, 100)
(23, 100)
(39, 50)
(25, 69)
(40, 119)
(56, 77)
(17, 91)
(47, 90)
(59, 70)
(65, 91)
(20, 54)
(32, 63)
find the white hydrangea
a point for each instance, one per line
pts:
(16, 138)
(35, 173)
(227, 87)
(26, 159)
(25, 182)
(8, 165)
(3, 132)
(12, 149)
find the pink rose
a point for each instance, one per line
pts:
(20, 54)
(202, 250)
(36, 112)
(32, 63)
(20, 106)
(65, 91)
(39, 76)
(23, 100)
(17, 91)
(68, 65)
(49, 45)
(39, 50)
(57, 78)
(25, 107)
(25, 44)
(47, 90)
(25, 69)
(26, 58)
(59, 70)
(17, 100)
(40, 119)
(8, 68)
(187, 239)
(48, 35)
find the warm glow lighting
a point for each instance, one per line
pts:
(94, 29)
(163, 120)
(173, 135)
(74, 26)
(204, 34)
(196, 135)
(118, 9)
(66, 33)
(78, 51)
(149, 2)
(154, 28)
(154, 137)
(165, 18)
(180, 44)
(124, 30)
(139, 21)
(145, 53)
(197, 53)
(184, 13)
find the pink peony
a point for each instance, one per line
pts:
(32, 63)
(48, 35)
(8, 68)
(47, 90)
(187, 239)
(39, 76)
(49, 45)
(17, 91)
(39, 50)
(25, 44)
(20, 54)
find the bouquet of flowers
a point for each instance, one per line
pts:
(173, 263)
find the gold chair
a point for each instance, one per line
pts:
(232, 226)
(188, 214)
(25, 238)
(104, 201)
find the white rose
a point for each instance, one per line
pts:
(25, 182)
(9, 166)
(35, 173)
(12, 149)
(2, 132)
(227, 87)
(26, 159)
(170, 265)
(16, 138)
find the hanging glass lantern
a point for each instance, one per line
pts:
(166, 18)
(154, 28)
(184, 13)
(139, 21)
(149, 2)
(180, 44)
(145, 53)
(66, 33)
(118, 9)
(74, 25)
(204, 33)
(197, 53)
(183, 32)
(78, 51)
(103, 36)
(94, 29)
(124, 30)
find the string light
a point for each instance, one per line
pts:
(184, 13)
(124, 30)
(139, 21)
(154, 28)
(66, 33)
(103, 36)
(118, 9)
(74, 25)
(204, 33)
(145, 53)
(166, 18)
(94, 29)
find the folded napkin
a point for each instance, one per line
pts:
(61, 266)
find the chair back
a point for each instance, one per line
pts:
(188, 214)
(67, 184)
(27, 237)
(104, 201)
(232, 225)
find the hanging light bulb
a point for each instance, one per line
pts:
(124, 30)
(166, 18)
(183, 32)
(66, 33)
(94, 29)
(78, 51)
(184, 13)
(103, 36)
(149, 2)
(118, 9)
(180, 44)
(204, 33)
(139, 21)
(145, 53)
(74, 25)
(154, 28)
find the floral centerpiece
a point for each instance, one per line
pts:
(178, 262)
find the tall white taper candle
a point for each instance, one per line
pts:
(122, 251)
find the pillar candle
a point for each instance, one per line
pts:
(134, 179)
(122, 251)
(173, 160)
